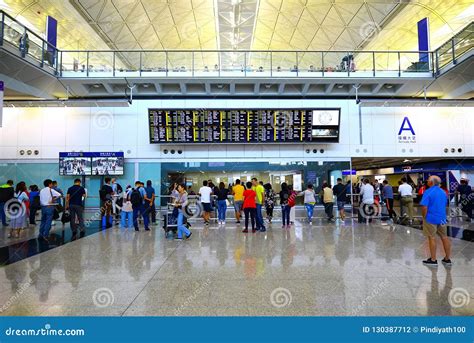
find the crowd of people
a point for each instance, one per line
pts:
(251, 199)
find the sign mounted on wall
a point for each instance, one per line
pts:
(406, 134)
(1, 102)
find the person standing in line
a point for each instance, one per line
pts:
(465, 198)
(406, 194)
(292, 203)
(181, 203)
(35, 204)
(7, 192)
(387, 193)
(309, 201)
(250, 207)
(366, 201)
(48, 197)
(150, 202)
(138, 199)
(238, 192)
(75, 197)
(434, 220)
(260, 201)
(222, 195)
(340, 191)
(285, 207)
(328, 200)
(18, 215)
(205, 193)
(106, 195)
(126, 215)
(269, 201)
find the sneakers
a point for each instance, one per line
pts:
(245, 231)
(263, 230)
(238, 221)
(178, 239)
(189, 236)
(254, 230)
(446, 262)
(430, 262)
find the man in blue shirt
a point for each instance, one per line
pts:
(387, 194)
(150, 203)
(434, 220)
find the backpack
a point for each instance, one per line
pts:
(292, 200)
(35, 203)
(136, 197)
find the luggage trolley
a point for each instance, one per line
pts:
(170, 222)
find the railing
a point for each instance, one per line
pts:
(458, 46)
(243, 63)
(28, 42)
(233, 63)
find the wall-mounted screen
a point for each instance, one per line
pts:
(74, 163)
(91, 163)
(107, 163)
(243, 125)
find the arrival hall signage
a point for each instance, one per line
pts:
(243, 125)
(1, 102)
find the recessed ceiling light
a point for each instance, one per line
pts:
(340, 86)
(388, 86)
(146, 85)
(96, 85)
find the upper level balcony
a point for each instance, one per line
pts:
(201, 72)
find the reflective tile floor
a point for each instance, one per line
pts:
(332, 269)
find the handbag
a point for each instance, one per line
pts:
(66, 217)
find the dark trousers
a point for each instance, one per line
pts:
(140, 210)
(77, 211)
(33, 215)
(2, 213)
(153, 213)
(269, 210)
(391, 212)
(285, 214)
(250, 213)
(328, 208)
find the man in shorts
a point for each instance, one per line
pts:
(205, 193)
(340, 191)
(433, 204)
(238, 192)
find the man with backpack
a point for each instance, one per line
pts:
(75, 203)
(150, 203)
(138, 198)
(7, 192)
(106, 195)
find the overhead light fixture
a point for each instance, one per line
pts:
(389, 86)
(339, 86)
(146, 85)
(96, 85)
(406, 161)
(267, 85)
(220, 86)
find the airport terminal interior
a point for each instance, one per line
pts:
(236, 158)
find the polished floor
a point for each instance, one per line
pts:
(333, 269)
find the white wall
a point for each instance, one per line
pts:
(51, 130)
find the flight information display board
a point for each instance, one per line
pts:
(243, 125)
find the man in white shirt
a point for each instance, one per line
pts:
(48, 201)
(367, 201)
(406, 196)
(205, 192)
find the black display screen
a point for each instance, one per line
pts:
(243, 125)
